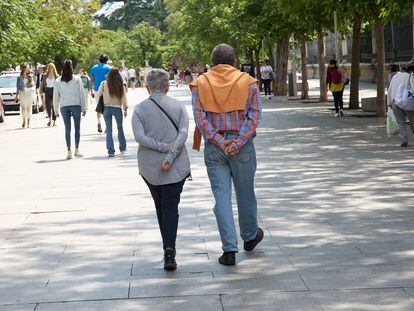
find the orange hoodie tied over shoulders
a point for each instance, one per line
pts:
(222, 89)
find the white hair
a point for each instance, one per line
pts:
(157, 80)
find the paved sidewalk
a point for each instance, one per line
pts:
(335, 199)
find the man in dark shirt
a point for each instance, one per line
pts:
(248, 67)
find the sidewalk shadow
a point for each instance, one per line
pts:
(51, 161)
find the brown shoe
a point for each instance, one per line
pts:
(228, 259)
(250, 245)
(99, 128)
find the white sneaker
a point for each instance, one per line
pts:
(336, 115)
(123, 152)
(69, 156)
(77, 154)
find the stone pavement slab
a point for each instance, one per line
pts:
(205, 303)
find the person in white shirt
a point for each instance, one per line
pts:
(69, 95)
(46, 90)
(132, 75)
(266, 75)
(399, 79)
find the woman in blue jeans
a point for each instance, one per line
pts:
(115, 101)
(69, 95)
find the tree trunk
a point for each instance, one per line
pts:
(356, 59)
(304, 61)
(282, 57)
(256, 51)
(321, 59)
(379, 39)
(271, 52)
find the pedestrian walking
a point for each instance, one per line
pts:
(115, 100)
(142, 77)
(26, 94)
(132, 77)
(394, 69)
(248, 67)
(396, 86)
(40, 73)
(160, 126)
(98, 75)
(46, 89)
(227, 110)
(86, 81)
(124, 77)
(335, 84)
(266, 74)
(69, 96)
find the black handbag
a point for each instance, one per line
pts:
(100, 107)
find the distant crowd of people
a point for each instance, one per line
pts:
(69, 94)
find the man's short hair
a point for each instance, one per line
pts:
(103, 58)
(223, 54)
(157, 80)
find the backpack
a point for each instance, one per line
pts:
(336, 77)
(404, 98)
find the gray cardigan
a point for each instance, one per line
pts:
(153, 132)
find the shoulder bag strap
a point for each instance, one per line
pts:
(166, 114)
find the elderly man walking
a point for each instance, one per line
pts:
(227, 110)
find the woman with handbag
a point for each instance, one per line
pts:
(46, 90)
(69, 96)
(266, 73)
(26, 93)
(114, 99)
(160, 126)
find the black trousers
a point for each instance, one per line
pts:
(166, 199)
(266, 85)
(338, 100)
(49, 103)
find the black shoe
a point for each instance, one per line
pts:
(250, 245)
(99, 128)
(404, 145)
(169, 259)
(228, 259)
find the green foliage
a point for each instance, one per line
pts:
(133, 13)
(44, 30)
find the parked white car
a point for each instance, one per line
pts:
(8, 90)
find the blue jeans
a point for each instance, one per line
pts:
(75, 112)
(400, 116)
(116, 112)
(221, 170)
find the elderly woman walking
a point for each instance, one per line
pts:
(69, 95)
(160, 126)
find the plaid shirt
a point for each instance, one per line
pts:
(244, 121)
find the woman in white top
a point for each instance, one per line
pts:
(266, 74)
(26, 93)
(69, 95)
(46, 89)
(115, 101)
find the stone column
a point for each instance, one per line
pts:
(374, 46)
(344, 45)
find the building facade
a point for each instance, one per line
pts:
(399, 49)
